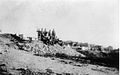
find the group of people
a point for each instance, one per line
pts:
(48, 37)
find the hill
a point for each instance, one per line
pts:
(24, 57)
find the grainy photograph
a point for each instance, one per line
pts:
(59, 37)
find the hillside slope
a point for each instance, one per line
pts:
(16, 61)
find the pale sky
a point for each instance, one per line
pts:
(92, 21)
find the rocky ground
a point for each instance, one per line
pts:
(36, 58)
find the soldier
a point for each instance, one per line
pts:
(39, 34)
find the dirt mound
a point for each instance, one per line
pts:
(37, 47)
(40, 48)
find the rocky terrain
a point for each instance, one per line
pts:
(21, 57)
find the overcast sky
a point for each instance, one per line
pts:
(92, 21)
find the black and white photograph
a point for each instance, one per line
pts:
(59, 37)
